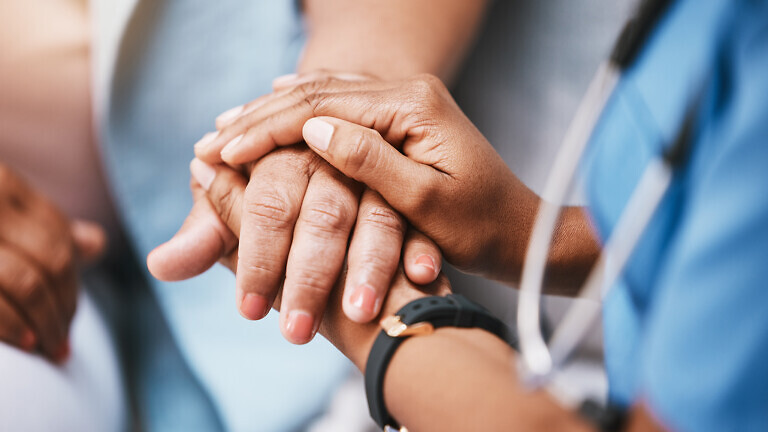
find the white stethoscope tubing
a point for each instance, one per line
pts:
(537, 360)
(535, 355)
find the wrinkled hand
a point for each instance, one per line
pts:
(294, 217)
(226, 193)
(39, 251)
(298, 213)
(410, 142)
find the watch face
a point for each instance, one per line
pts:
(389, 428)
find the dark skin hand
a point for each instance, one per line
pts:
(39, 253)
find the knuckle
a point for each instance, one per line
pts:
(310, 89)
(361, 151)
(384, 219)
(315, 102)
(327, 216)
(268, 210)
(311, 283)
(226, 204)
(30, 288)
(426, 95)
(427, 86)
(267, 272)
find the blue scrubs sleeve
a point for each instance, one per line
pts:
(705, 351)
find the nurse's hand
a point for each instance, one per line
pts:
(410, 142)
(39, 251)
(298, 214)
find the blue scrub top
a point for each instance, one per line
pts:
(686, 329)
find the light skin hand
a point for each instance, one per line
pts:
(39, 253)
(300, 212)
(227, 193)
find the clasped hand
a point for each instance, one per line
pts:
(381, 156)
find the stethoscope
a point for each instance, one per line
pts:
(539, 363)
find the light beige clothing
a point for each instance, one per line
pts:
(46, 123)
(46, 135)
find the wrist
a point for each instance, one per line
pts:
(515, 225)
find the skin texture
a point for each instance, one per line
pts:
(483, 392)
(439, 171)
(39, 253)
(303, 210)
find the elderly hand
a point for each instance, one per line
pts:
(225, 190)
(39, 249)
(298, 213)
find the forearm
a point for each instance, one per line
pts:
(573, 252)
(462, 379)
(453, 379)
(390, 39)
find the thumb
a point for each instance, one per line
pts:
(362, 154)
(90, 239)
(201, 241)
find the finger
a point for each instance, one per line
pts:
(90, 239)
(271, 205)
(200, 242)
(293, 80)
(225, 188)
(231, 127)
(43, 236)
(422, 259)
(279, 122)
(279, 87)
(13, 330)
(26, 288)
(320, 241)
(373, 258)
(363, 155)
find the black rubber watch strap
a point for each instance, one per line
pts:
(451, 311)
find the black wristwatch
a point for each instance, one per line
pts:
(421, 317)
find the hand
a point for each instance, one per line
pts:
(225, 189)
(39, 249)
(374, 251)
(448, 181)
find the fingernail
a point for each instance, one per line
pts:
(427, 262)
(253, 306)
(363, 298)
(28, 341)
(284, 80)
(318, 133)
(231, 146)
(205, 140)
(300, 326)
(62, 354)
(202, 172)
(229, 115)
